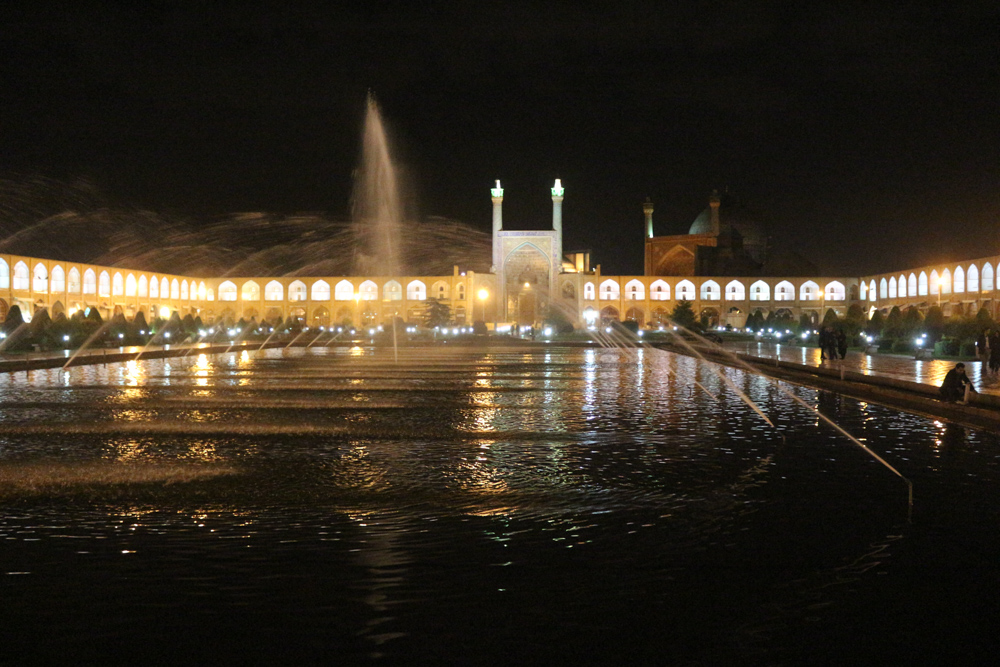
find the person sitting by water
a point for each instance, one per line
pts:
(955, 382)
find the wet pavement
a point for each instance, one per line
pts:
(900, 367)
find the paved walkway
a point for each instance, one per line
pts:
(924, 371)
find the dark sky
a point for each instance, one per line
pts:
(866, 134)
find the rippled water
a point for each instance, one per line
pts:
(481, 507)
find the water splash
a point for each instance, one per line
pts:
(376, 208)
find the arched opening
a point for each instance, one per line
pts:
(610, 292)
(685, 290)
(297, 291)
(710, 291)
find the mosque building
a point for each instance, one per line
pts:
(724, 266)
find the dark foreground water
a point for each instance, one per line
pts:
(482, 508)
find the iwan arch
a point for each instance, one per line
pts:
(531, 274)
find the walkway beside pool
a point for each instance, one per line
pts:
(900, 367)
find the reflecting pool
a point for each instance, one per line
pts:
(479, 507)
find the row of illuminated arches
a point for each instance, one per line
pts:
(924, 284)
(368, 290)
(710, 290)
(103, 284)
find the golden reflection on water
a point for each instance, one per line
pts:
(203, 451)
(134, 372)
(202, 369)
(128, 450)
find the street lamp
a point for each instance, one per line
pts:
(483, 294)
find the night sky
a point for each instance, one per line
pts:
(866, 135)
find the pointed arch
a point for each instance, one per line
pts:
(635, 290)
(250, 291)
(922, 284)
(130, 285)
(835, 291)
(393, 291)
(58, 280)
(958, 283)
(784, 291)
(164, 288)
(892, 287)
(987, 277)
(710, 291)
(344, 291)
(972, 279)
(154, 288)
(610, 290)
(202, 291)
(118, 284)
(439, 290)
(902, 286)
(89, 282)
(22, 279)
(41, 278)
(590, 293)
(142, 287)
(227, 290)
(736, 291)
(684, 290)
(659, 290)
(297, 291)
(104, 284)
(368, 290)
(883, 289)
(946, 282)
(321, 291)
(911, 285)
(4, 275)
(871, 290)
(274, 291)
(809, 291)
(935, 282)
(416, 290)
(184, 290)
(760, 291)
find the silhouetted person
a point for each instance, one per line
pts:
(983, 347)
(955, 382)
(994, 344)
(841, 340)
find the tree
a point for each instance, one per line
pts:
(436, 313)
(683, 315)
(894, 323)
(876, 324)
(831, 319)
(912, 322)
(934, 323)
(855, 320)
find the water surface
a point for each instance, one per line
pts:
(475, 507)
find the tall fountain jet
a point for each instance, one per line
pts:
(376, 209)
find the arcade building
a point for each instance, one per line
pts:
(723, 266)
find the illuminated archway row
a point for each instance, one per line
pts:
(33, 283)
(960, 287)
(715, 289)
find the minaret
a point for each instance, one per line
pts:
(647, 209)
(714, 201)
(557, 199)
(497, 193)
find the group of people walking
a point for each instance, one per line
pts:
(833, 344)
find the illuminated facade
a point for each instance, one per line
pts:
(531, 278)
